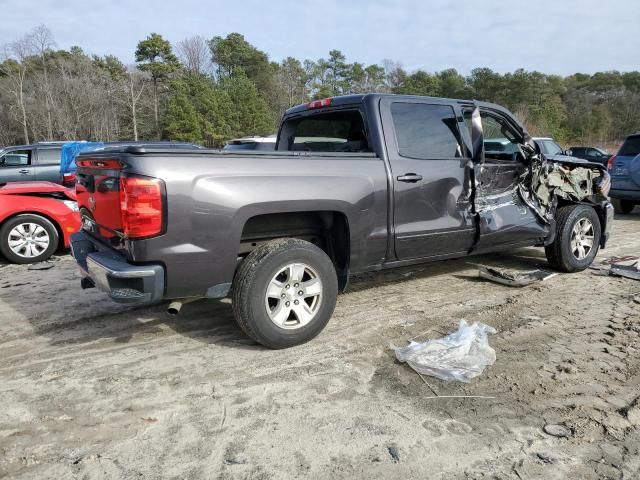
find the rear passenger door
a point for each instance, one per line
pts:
(48, 164)
(16, 166)
(431, 178)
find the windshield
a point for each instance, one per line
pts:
(549, 147)
(631, 147)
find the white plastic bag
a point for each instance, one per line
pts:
(461, 355)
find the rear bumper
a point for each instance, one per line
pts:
(111, 273)
(633, 195)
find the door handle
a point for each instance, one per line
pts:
(410, 178)
(24, 171)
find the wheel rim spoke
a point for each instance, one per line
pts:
(296, 272)
(280, 314)
(312, 287)
(303, 312)
(274, 289)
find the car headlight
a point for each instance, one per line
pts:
(71, 205)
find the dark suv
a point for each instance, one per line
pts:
(625, 175)
(592, 154)
(24, 163)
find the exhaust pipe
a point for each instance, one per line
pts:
(174, 307)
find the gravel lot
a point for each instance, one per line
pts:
(90, 389)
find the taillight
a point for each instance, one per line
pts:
(325, 102)
(69, 179)
(141, 206)
(611, 162)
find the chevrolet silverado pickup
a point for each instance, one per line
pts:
(356, 183)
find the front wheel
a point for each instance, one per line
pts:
(28, 239)
(577, 239)
(284, 293)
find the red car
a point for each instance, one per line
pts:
(36, 219)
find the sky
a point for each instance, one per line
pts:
(551, 36)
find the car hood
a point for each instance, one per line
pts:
(565, 159)
(24, 188)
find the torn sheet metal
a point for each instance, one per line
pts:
(513, 278)
(545, 182)
(627, 267)
(626, 271)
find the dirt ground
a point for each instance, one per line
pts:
(90, 389)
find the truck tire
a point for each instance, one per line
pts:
(577, 238)
(284, 293)
(623, 206)
(28, 239)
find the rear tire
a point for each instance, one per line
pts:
(28, 239)
(623, 206)
(284, 293)
(577, 238)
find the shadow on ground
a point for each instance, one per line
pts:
(89, 316)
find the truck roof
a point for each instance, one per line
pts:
(361, 98)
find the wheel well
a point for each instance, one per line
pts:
(328, 230)
(39, 214)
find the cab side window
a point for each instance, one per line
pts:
(16, 158)
(425, 131)
(49, 156)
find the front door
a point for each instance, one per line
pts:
(17, 166)
(503, 217)
(431, 178)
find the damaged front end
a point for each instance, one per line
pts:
(517, 191)
(546, 184)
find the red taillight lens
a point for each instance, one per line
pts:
(69, 179)
(611, 162)
(141, 206)
(325, 102)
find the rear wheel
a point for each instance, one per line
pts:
(577, 238)
(28, 239)
(284, 293)
(623, 206)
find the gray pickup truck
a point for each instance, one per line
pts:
(356, 183)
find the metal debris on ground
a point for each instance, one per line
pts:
(40, 266)
(461, 355)
(627, 267)
(513, 278)
(626, 271)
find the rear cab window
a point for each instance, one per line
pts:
(329, 131)
(425, 131)
(630, 147)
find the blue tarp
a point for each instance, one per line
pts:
(71, 150)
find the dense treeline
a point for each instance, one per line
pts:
(208, 91)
